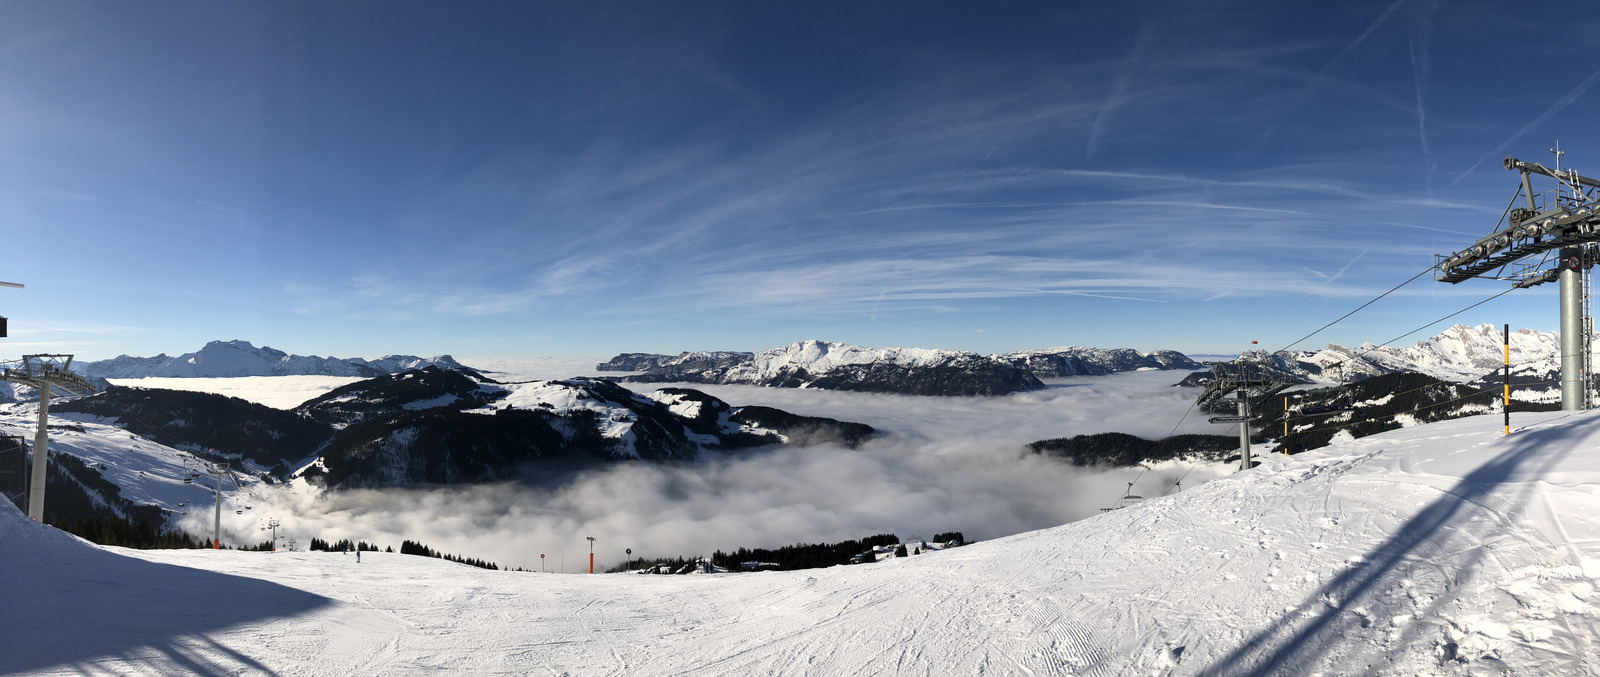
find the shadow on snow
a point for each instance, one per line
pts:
(70, 606)
(1294, 645)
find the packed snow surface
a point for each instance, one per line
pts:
(1438, 549)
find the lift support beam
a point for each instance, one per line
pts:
(1565, 223)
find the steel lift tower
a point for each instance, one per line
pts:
(1253, 382)
(43, 372)
(1564, 222)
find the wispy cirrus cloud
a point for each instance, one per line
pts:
(1538, 121)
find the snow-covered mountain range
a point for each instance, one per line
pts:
(241, 358)
(836, 366)
(907, 371)
(1459, 353)
(1071, 361)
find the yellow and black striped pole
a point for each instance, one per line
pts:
(1506, 405)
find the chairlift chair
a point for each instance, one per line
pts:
(1340, 405)
(1128, 498)
(1326, 409)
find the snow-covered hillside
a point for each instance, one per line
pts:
(141, 473)
(1439, 549)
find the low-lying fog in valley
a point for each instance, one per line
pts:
(937, 464)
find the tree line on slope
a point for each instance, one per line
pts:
(1375, 405)
(787, 558)
(1122, 449)
(414, 548)
(344, 545)
(1362, 408)
(802, 555)
(407, 547)
(139, 534)
(673, 564)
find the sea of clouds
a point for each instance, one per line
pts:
(938, 464)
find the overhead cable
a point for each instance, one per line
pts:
(1425, 271)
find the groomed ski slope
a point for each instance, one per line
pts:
(1438, 549)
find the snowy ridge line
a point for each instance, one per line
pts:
(821, 356)
(1459, 353)
(1425, 326)
(240, 358)
(907, 371)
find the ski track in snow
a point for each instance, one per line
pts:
(1438, 549)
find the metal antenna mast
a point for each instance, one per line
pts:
(1566, 221)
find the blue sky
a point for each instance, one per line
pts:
(558, 179)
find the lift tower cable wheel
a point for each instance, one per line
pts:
(1564, 221)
